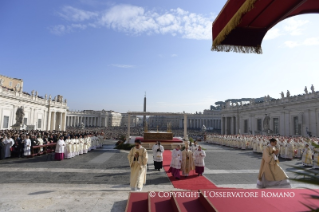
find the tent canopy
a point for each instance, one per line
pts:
(242, 24)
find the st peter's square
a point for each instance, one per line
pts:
(159, 106)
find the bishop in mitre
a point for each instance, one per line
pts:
(187, 161)
(138, 162)
(270, 173)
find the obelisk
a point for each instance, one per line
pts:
(144, 110)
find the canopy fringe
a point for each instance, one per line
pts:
(234, 22)
(238, 49)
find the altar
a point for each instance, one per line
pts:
(158, 136)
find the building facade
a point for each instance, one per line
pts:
(210, 118)
(11, 83)
(288, 116)
(41, 113)
(92, 118)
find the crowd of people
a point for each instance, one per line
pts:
(21, 143)
(288, 147)
(191, 158)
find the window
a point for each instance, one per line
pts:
(25, 121)
(10, 84)
(39, 123)
(5, 121)
(245, 126)
(276, 125)
(259, 126)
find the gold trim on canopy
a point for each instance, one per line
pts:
(232, 24)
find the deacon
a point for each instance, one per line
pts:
(176, 162)
(270, 173)
(199, 156)
(138, 162)
(187, 161)
(158, 150)
(59, 149)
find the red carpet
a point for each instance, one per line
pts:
(262, 202)
(192, 182)
(138, 201)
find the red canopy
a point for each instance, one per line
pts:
(242, 24)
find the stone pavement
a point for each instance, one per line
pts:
(235, 168)
(99, 180)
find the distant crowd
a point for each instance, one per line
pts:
(20, 143)
(307, 149)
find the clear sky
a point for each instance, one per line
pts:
(105, 55)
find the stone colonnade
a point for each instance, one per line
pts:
(56, 120)
(199, 122)
(93, 121)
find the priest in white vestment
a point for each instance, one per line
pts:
(67, 148)
(138, 162)
(85, 144)
(199, 156)
(271, 174)
(176, 162)
(8, 142)
(316, 158)
(158, 150)
(307, 156)
(289, 150)
(81, 143)
(187, 161)
(59, 149)
(27, 146)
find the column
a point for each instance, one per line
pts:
(231, 125)
(226, 125)
(128, 127)
(185, 127)
(49, 120)
(64, 121)
(237, 124)
(54, 121)
(222, 126)
(13, 117)
(60, 120)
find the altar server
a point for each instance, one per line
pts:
(176, 162)
(138, 162)
(158, 150)
(199, 156)
(187, 161)
(59, 149)
(270, 173)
